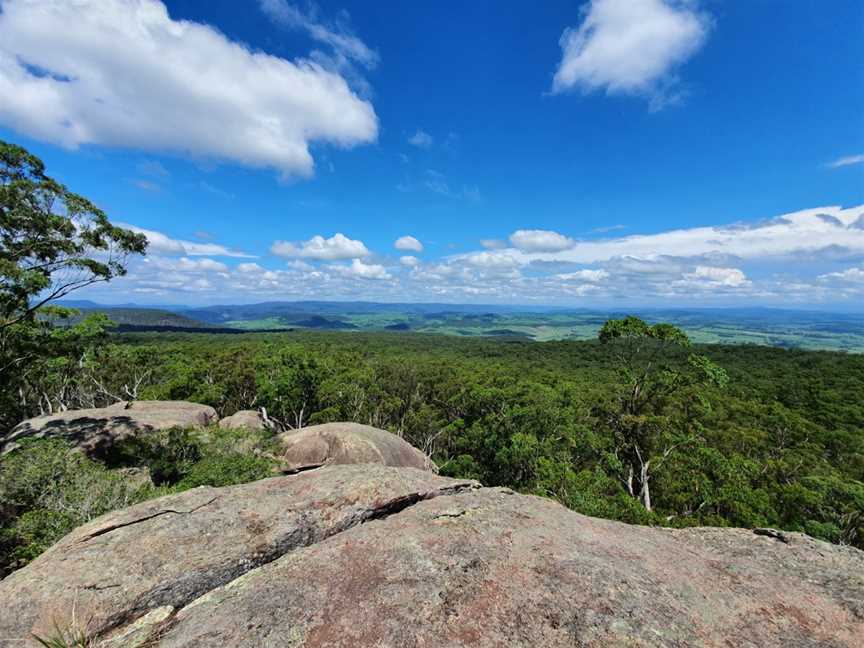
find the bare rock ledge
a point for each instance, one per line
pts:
(367, 555)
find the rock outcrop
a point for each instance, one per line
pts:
(366, 555)
(244, 420)
(95, 430)
(347, 443)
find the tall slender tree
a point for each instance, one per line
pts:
(658, 374)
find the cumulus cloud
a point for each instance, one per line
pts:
(590, 276)
(421, 139)
(408, 244)
(249, 268)
(160, 243)
(807, 232)
(630, 47)
(298, 264)
(851, 275)
(540, 241)
(778, 261)
(409, 261)
(361, 270)
(723, 276)
(847, 161)
(494, 259)
(188, 89)
(335, 248)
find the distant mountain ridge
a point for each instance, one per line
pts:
(772, 327)
(139, 317)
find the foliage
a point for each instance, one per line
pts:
(772, 439)
(52, 242)
(779, 444)
(46, 490)
(659, 398)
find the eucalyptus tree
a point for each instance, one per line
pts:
(660, 382)
(52, 242)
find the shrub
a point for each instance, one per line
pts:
(46, 490)
(168, 455)
(226, 470)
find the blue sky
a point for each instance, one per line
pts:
(614, 152)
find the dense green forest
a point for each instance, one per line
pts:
(778, 443)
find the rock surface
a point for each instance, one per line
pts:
(348, 443)
(376, 556)
(95, 430)
(169, 551)
(244, 420)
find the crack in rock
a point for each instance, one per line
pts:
(114, 527)
(772, 533)
(300, 538)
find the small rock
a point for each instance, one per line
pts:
(244, 420)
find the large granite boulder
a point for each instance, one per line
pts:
(244, 420)
(170, 551)
(347, 443)
(96, 430)
(366, 555)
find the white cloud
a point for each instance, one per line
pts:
(847, 161)
(630, 47)
(335, 248)
(851, 275)
(188, 89)
(493, 244)
(421, 139)
(335, 34)
(820, 231)
(540, 241)
(302, 266)
(160, 243)
(185, 264)
(249, 268)
(408, 244)
(494, 259)
(361, 270)
(772, 262)
(591, 276)
(732, 277)
(346, 52)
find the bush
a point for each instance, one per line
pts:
(226, 470)
(168, 455)
(46, 490)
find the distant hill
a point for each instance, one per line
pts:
(140, 318)
(801, 329)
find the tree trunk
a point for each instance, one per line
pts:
(645, 492)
